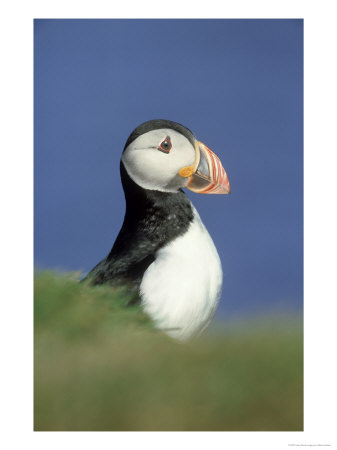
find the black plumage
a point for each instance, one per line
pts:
(157, 124)
(152, 219)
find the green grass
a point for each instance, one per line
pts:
(101, 366)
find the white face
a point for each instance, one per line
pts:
(154, 169)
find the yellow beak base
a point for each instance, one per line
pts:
(186, 172)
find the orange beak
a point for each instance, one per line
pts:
(207, 175)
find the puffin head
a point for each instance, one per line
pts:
(165, 156)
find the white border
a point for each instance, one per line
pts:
(320, 223)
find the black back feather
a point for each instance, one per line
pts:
(152, 219)
(157, 124)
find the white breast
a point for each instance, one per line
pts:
(180, 290)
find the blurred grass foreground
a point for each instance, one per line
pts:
(100, 366)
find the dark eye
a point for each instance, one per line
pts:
(166, 145)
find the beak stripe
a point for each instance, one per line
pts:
(207, 175)
(218, 175)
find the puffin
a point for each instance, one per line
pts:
(163, 252)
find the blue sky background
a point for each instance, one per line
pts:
(237, 84)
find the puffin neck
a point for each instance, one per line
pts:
(172, 212)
